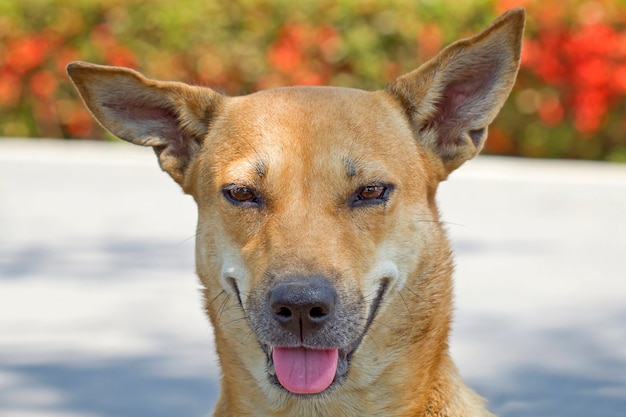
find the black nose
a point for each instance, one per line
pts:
(300, 305)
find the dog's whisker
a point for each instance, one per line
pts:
(222, 307)
(404, 302)
(442, 222)
(187, 239)
(249, 335)
(233, 320)
(223, 292)
(409, 289)
(452, 224)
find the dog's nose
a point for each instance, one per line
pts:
(300, 305)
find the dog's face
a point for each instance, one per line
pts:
(317, 205)
(300, 220)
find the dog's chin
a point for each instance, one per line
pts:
(343, 359)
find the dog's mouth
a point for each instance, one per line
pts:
(302, 370)
(305, 370)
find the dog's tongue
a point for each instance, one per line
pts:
(305, 371)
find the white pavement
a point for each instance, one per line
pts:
(101, 314)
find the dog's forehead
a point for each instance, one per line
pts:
(315, 114)
(353, 128)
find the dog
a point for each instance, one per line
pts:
(326, 270)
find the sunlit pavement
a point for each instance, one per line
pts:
(101, 313)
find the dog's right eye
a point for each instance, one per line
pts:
(241, 195)
(371, 194)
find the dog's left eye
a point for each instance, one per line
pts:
(371, 194)
(241, 195)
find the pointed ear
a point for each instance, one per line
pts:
(451, 99)
(173, 118)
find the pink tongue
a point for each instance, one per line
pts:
(305, 371)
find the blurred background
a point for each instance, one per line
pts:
(569, 101)
(100, 310)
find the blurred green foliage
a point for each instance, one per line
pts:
(569, 100)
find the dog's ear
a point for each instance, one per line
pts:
(451, 99)
(172, 117)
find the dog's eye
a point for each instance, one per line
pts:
(240, 195)
(371, 194)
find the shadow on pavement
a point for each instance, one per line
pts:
(96, 260)
(582, 373)
(128, 388)
(545, 393)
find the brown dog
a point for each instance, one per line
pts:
(327, 272)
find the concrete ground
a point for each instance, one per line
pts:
(101, 313)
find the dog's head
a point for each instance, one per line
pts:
(316, 204)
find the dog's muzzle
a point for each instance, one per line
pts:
(309, 333)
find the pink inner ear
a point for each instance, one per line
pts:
(147, 120)
(459, 93)
(467, 92)
(463, 98)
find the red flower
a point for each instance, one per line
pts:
(593, 72)
(26, 54)
(596, 39)
(504, 5)
(430, 41)
(590, 108)
(121, 56)
(620, 78)
(79, 123)
(551, 111)
(327, 39)
(286, 52)
(544, 58)
(64, 56)
(499, 142)
(10, 89)
(585, 63)
(308, 78)
(43, 84)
